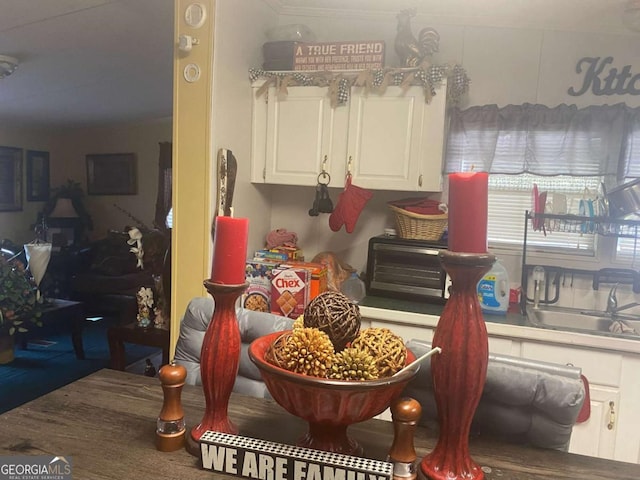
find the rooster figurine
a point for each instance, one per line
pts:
(412, 51)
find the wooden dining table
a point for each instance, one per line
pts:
(106, 423)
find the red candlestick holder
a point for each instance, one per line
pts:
(219, 360)
(460, 371)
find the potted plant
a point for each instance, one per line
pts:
(18, 307)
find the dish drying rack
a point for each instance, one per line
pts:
(578, 224)
(568, 223)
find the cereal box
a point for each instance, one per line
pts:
(318, 276)
(293, 253)
(281, 253)
(272, 255)
(290, 291)
(258, 294)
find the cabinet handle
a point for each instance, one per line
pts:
(612, 416)
(420, 180)
(349, 165)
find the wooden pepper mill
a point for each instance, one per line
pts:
(170, 430)
(405, 413)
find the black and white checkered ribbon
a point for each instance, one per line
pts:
(429, 77)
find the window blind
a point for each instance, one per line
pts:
(510, 196)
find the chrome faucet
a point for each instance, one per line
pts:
(612, 303)
(538, 281)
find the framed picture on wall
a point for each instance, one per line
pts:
(37, 175)
(112, 174)
(10, 179)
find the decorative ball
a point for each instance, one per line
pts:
(298, 322)
(353, 364)
(336, 315)
(386, 347)
(307, 351)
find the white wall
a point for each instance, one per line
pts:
(505, 66)
(239, 33)
(140, 139)
(16, 226)
(67, 150)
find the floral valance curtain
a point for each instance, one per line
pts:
(564, 140)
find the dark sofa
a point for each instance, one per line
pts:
(107, 278)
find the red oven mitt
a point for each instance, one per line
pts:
(350, 203)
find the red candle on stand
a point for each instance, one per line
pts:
(229, 250)
(468, 205)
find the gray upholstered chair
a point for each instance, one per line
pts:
(251, 324)
(523, 401)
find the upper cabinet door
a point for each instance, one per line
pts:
(389, 141)
(396, 139)
(303, 134)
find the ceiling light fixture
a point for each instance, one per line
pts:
(8, 65)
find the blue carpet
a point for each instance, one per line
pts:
(49, 362)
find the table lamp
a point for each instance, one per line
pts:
(38, 255)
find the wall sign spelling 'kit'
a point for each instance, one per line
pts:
(610, 82)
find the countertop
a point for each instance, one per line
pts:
(106, 424)
(511, 325)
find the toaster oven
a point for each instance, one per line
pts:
(408, 269)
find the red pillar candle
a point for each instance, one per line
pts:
(468, 204)
(229, 250)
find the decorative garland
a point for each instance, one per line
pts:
(430, 77)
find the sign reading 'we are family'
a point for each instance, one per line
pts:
(257, 459)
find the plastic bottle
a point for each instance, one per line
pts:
(354, 288)
(493, 290)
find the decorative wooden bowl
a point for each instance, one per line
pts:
(329, 406)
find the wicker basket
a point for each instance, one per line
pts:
(419, 227)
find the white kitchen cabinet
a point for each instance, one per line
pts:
(614, 379)
(597, 436)
(611, 431)
(390, 141)
(396, 140)
(296, 137)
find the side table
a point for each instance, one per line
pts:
(131, 333)
(60, 315)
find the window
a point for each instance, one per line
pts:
(169, 219)
(511, 195)
(563, 150)
(628, 251)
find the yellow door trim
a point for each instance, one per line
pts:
(192, 214)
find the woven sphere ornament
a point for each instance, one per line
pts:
(304, 350)
(275, 354)
(336, 315)
(386, 347)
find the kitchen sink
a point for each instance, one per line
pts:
(585, 321)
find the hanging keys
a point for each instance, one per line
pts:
(322, 202)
